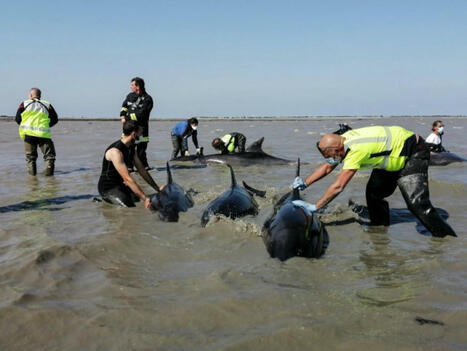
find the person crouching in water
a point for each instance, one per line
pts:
(116, 186)
(229, 142)
(397, 157)
(180, 134)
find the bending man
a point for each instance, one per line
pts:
(116, 186)
(397, 157)
(229, 142)
(180, 134)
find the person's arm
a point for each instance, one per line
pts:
(18, 113)
(116, 157)
(336, 188)
(124, 110)
(52, 116)
(145, 174)
(194, 137)
(319, 173)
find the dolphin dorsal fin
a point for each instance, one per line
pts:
(257, 146)
(296, 192)
(169, 174)
(232, 174)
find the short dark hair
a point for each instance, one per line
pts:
(216, 143)
(435, 124)
(130, 127)
(139, 82)
(37, 91)
(193, 120)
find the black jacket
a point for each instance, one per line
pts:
(139, 105)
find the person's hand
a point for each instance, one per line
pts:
(306, 206)
(198, 150)
(147, 203)
(186, 153)
(162, 187)
(299, 184)
(122, 119)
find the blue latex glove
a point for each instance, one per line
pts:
(299, 184)
(306, 206)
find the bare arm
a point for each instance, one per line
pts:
(116, 157)
(145, 174)
(336, 188)
(319, 173)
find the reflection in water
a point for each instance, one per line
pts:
(39, 204)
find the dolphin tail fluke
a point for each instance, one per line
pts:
(256, 146)
(169, 174)
(296, 192)
(260, 193)
(234, 181)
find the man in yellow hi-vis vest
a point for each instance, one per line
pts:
(397, 157)
(35, 118)
(229, 142)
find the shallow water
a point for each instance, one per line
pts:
(81, 275)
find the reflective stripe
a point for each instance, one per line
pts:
(366, 140)
(124, 109)
(133, 117)
(388, 146)
(36, 129)
(145, 139)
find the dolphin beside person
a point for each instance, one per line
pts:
(233, 203)
(171, 200)
(292, 230)
(253, 155)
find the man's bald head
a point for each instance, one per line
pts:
(330, 141)
(34, 93)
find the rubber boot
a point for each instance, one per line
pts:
(32, 169)
(414, 189)
(49, 168)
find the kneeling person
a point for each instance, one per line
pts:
(116, 186)
(229, 142)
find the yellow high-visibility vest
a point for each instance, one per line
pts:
(35, 119)
(229, 142)
(376, 147)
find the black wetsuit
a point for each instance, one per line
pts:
(111, 185)
(138, 107)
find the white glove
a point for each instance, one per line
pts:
(198, 150)
(186, 153)
(299, 184)
(306, 206)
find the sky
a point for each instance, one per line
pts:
(237, 58)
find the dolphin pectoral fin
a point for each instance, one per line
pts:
(260, 193)
(256, 146)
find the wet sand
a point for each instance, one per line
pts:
(81, 275)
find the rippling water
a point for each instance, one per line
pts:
(81, 275)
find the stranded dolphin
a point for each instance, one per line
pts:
(235, 202)
(293, 231)
(444, 158)
(254, 154)
(171, 200)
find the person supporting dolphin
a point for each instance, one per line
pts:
(436, 137)
(397, 157)
(180, 133)
(229, 142)
(35, 118)
(115, 185)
